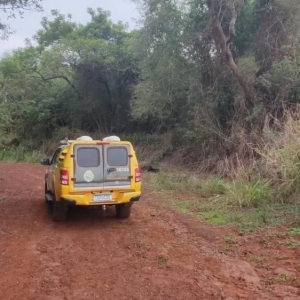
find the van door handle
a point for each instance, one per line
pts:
(111, 170)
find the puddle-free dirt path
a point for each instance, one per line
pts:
(156, 254)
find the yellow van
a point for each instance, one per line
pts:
(88, 172)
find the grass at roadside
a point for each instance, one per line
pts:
(19, 154)
(247, 205)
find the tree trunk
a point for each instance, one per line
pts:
(224, 43)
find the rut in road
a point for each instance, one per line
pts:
(91, 256)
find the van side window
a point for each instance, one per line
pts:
(88, 157)
(55, 156)
(117, 156)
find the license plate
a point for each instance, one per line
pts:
(102, 197)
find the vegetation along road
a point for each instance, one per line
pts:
(209, 91)
(158, 253)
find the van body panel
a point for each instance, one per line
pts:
(88, 166)
(86, 199)
(117, 166)
(95, 169)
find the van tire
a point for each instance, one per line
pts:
(46, 192)
(123, 211)
(59, 211)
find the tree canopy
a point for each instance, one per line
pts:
(13, 7)
(207, 71)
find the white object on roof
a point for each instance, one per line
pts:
(112, 138)
(84, 138)
(66, 142)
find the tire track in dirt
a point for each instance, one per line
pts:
(150, 256)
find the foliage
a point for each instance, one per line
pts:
(19, 154)
(75, 77)
(13, 7)
(212, 85)
(174, 78)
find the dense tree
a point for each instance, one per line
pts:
(77, 77)
(210, 73)
(236, 63)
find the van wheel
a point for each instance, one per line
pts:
(59, 211)
(48, 196)
(123, 211)
(46, 192)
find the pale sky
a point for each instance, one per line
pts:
(121, 10)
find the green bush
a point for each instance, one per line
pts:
(243, 194)
(19, 154)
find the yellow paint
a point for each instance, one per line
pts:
(120, 195)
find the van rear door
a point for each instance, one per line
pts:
(88, 166)
(117, 164)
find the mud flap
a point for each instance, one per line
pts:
(60, 209)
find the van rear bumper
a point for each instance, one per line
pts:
(87, 199)
(135, 199)
(68, 202)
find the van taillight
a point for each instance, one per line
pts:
(64, 177)
(137, 175)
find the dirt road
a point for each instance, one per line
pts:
(156, 254)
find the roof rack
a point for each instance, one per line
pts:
(85, 138)
(113, 138)
(66, 142)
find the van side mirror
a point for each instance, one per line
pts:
(45, 162)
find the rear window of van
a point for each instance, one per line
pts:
(88, 157)
(117, 156)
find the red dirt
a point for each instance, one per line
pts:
(156, 254)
